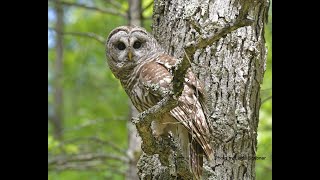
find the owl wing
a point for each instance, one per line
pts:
(192, 105)
(191, 80)
(155, 74)
(190, 108)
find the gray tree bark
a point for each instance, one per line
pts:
(231, 65)
(58, 70)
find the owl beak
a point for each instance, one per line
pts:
(129, 55)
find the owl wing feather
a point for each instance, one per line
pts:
(191, 102)
(190, 79)
(189, 111)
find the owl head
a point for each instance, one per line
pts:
(127, 46)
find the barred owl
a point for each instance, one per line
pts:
(136, 59)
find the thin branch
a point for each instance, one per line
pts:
(98, 140)
(109, 143)
(100, 39)
(266, 99)
(149, 18)
(84, 125)
(114, 3)
(77, 167)
(268, 89)
(145, 8)
(63, 159)
(91, 165)
(204, 41)
(97, 37)
(111, 11)
(88, 157)
(94, 122)
(149, 5)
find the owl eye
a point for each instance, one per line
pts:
(137, 45)
(121, 46)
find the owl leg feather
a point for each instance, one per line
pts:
(190, 148)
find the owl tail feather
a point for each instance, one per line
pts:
(196, 158)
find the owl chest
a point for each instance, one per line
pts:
(141, 98)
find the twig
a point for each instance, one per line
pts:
(63, 159)
(111, 11)
(100, 39)
(148, 18)
(147, 6)
(203, 41)
(91, 165)
(266, 99)
(97, 140)
(109, 143)
(114, 3)
(268, 89)
(97, 37)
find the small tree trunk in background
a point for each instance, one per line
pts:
(134, 147)
(134, 140)
(232, 70)
(135, 12)
(57, 88)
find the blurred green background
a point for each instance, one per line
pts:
(92, 140)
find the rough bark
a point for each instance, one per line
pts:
(232, 68)
(134, 141)
(58, 70)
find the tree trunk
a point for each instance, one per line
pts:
(134, 141)
(135, 12)
(232, 69)
(134, 147)
(57, 92)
